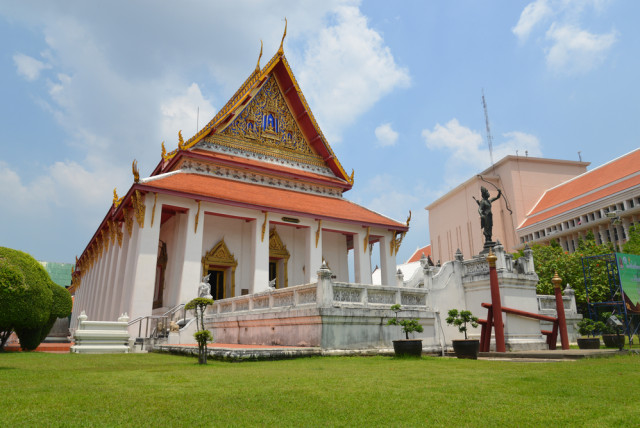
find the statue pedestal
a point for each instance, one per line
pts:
(487, 245)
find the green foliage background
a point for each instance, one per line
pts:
(552, 258)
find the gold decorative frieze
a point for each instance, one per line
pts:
(153, 211)
(119, 233)
(318, 231)
(195, 228)
(264, 226)
(365, 243)
(128, 220)
(139, 208)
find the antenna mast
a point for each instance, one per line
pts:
(486, 120)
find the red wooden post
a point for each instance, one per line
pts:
(562, 321)
(496, 303)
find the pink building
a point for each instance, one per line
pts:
(454, 222)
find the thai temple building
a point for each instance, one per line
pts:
(254, 202)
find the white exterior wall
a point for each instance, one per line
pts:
(334, 251)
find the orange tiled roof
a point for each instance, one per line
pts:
(601, 182)
(419, 252)
(236, 193)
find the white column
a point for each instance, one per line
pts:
(176, 260)
(130, 266)
(313, 254)
(387, 262)
(260, 256)
(144, 273)
(192, 265)
(118, 283)
(361, 259)
(103, 301)
(92, 312)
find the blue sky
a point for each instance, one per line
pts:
(396, 87)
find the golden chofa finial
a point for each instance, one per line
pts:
(259, 56)
(409, 218)
(115, 197)
(353, 173)
(164, 151)
(281, 50)
(180, 140)
(136, 172)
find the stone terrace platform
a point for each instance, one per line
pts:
(234, 352)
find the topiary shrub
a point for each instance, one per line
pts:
(202, 336)
(27, 301)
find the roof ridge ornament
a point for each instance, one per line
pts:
(180, 140)
(135, 171)
(164, 151)
(259, 56)
(281, 49)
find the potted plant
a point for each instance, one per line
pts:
(589, 328)
(406, 346)
(610, 334)
(467, 348)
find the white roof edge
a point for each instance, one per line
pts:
(159, 176)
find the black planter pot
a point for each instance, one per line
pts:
(613, 340)
(467, 349)
(589, 343)
(407, 347)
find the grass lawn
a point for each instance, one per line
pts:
(164, 390)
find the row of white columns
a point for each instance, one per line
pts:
(123, 278)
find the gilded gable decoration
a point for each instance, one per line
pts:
(119, 233)
(267, 126)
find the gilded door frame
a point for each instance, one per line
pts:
(220, 257)
(277, 250)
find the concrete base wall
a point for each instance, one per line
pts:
(327, 328)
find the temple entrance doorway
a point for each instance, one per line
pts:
(220, 263)
(217, 282)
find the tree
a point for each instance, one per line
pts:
(199, 305)
(632, 246)
(29, 301)
(552, 258)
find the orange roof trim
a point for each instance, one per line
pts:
(228, 192)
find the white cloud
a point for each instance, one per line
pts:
(29, 67)
(532, 14)
(386, 135)
(122, 81)
(347, 68)
(569, 48)
(575, 50)
(469, 153)
(181, 113)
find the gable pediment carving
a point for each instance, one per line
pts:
(267, 126)
(219, 255)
